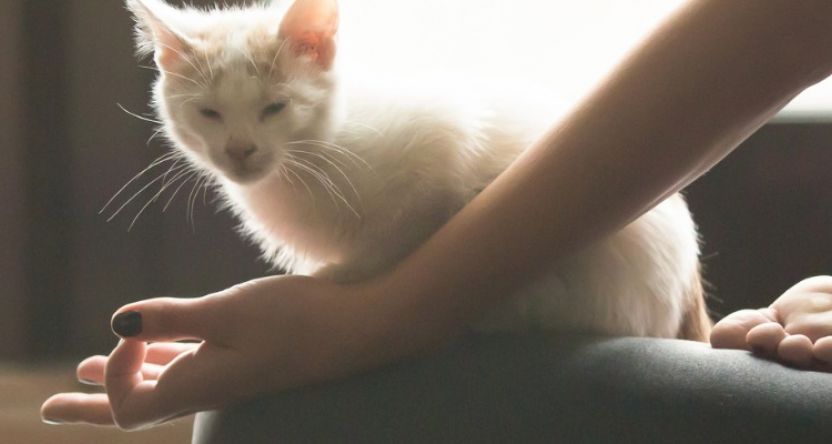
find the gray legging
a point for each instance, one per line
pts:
(532, 388)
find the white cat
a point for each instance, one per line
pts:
(343, 181)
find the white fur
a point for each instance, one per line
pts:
(386, 168)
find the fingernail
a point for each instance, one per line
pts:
(87, 381)
(127, 324)
(51, 421)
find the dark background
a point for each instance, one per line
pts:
(67, 147)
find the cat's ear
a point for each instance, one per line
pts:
(310, 27)
(154, 33)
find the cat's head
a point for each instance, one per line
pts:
(237, 86)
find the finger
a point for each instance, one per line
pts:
(206, 378)
(194, 381)
(795, 350)
(122, 375)
(169, 320)
(732, 330)
(822, 350)
(91, 370)
(163, 352)
(765, 338)
(70, 408)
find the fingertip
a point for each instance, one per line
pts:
(728, 334)
(70, 408)
(92, 361)
(127, 324)
(46, 410)
(765, 338)
(167, 319)
(822, 349)
(91, 370)
(51, 411)
(796, 350)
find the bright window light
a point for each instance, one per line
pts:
(565, 46)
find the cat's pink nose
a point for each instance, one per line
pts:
(240, 152)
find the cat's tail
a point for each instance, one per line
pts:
(696, 324)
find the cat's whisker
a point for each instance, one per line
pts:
(324, 178)
(356, 123)
(195, 198)
(333, 190)
(206, 179)
(134, 196)
(161, 159)
(177, 96)
(337, 168)
(333, 148)
(153, 136)
(314, 169)
(192, 197)
(188, 212)
(276, 55)
(172, 74)
(205, 186)
(190, 100)
(162, 189)
(305, 185)
(340, 162)
(253, 64)
(284, 174)
(181, 171)
(173, 167)
(191, 174)
(207, 62)
(138, 116)
(294, 161)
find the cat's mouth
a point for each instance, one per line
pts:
(244, 174)
(243, 171)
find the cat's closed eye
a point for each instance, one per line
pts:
(272, 109)
(211, 114)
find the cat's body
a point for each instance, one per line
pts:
(342, 181)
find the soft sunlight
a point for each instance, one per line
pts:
(565, 46)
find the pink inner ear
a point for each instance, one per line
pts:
(169, 59)
(310, 26)
(171, 54)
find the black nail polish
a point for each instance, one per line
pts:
(127, 324)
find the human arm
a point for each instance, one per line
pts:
(686, 98)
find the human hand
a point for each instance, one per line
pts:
(796, 329)
(256, 338)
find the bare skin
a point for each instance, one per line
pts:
(708, 78)
(796, 329)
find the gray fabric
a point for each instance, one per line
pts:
(533, 388)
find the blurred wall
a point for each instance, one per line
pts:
(11, 200)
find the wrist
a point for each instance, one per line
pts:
(385, 322)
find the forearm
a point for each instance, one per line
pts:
(689, 95)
